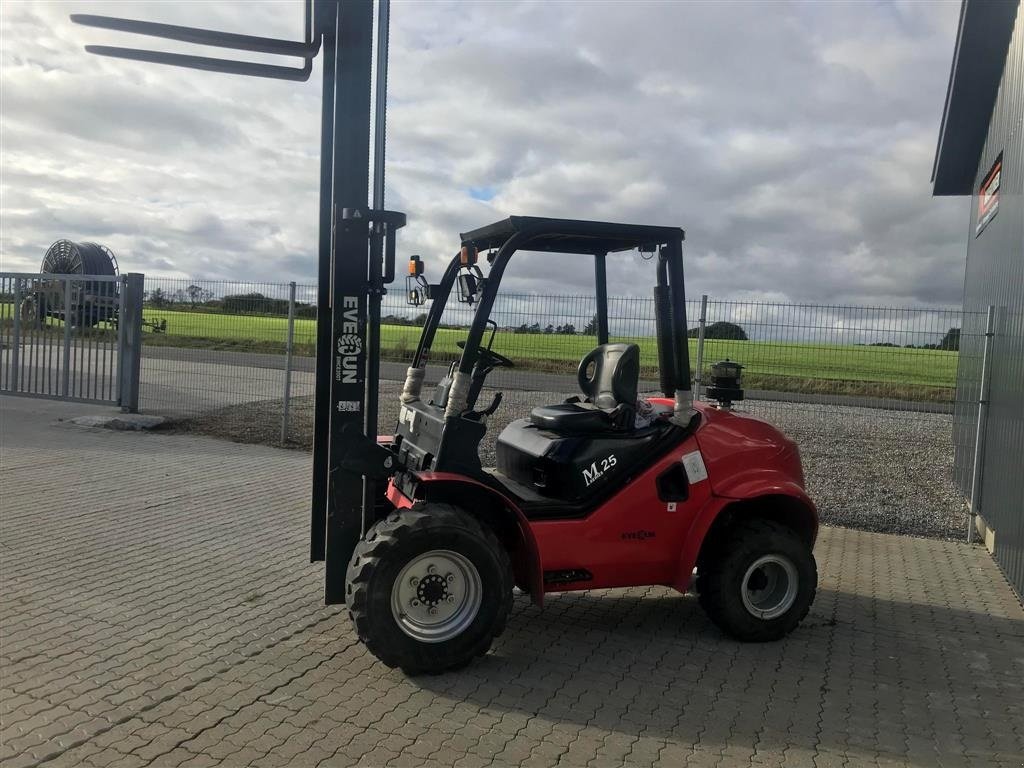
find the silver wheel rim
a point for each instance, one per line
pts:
(436, 596)
(769, 587)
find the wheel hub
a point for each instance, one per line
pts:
(436, 596)
(769, 587)
(433, 589)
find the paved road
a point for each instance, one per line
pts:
(157, 608)
(516, 379)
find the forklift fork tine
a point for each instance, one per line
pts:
(304, 50)
(205, 63)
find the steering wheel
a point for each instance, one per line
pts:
(491, 358)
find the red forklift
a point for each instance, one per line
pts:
(585, 494)
(607, 489)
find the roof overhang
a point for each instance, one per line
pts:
(982, 40)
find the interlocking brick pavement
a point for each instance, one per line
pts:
(158, 608)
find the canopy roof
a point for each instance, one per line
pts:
(570, 235)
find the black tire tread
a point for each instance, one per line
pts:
(710, 592)
(379, 541)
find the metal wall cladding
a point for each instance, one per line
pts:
(995, 275)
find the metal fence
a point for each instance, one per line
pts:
(868, 392)
(895, 359)
(71, 337)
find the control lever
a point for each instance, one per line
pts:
(478, 415)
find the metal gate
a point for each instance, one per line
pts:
(71, 337)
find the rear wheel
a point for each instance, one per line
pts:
(759, 583)
(429, 588)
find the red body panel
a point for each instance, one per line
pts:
(634, 538)
(744, 454)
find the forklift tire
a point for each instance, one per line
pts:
(429, 588)
(760, 583)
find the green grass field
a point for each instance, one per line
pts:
(790, 366)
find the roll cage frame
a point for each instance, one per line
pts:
(597, 239)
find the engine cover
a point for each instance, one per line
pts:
(570, 467)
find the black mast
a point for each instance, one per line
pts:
(356, 243)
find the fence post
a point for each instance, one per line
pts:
(288, 362)
(979, 433)
(14, 382)
(129, 331)
(66, 373)
(699, 376)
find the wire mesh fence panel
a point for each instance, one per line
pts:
(965, 412)
(869, 393)
(218, 349)
(541, 334)
(898, 358)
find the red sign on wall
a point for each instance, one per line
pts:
(988, 195)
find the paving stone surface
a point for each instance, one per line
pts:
(158, 608)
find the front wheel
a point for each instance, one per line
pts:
(760, 583)
(429, 588)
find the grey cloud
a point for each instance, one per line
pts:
(792, 141)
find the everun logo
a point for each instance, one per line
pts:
(350, 346)
(640, 535)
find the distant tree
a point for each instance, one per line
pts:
(549, 328)
(591, 328)
(568, 329)
(535, 328)
(951, 340)
(158, 298)
(720, 330)
(420, 319)
(197, 295)
(244, 303)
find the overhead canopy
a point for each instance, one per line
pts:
(570, 235)
(982, 41)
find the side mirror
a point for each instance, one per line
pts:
(469, 286)
(417, 290)
(416, 296)
(470, 281)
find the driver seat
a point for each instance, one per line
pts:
(608, 377)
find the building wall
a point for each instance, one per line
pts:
(995, 275)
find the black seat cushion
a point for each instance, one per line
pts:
(572, 418)
(608, 376)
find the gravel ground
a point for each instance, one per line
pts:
(866, 468)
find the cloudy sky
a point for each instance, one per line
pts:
(792, 141)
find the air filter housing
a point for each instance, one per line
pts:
(726, 386)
